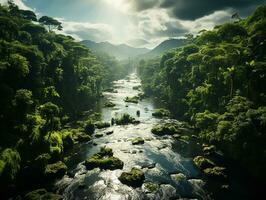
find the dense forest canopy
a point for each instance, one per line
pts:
(46, 79)
(211, 121)
(217, 83)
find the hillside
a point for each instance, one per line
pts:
(121, 51)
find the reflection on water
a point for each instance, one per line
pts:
(157, 156)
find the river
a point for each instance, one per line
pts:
(159, 157)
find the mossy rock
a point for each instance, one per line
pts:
(165, 129)
(134, 99)
(215, 172)
(109, 105)
(124, 119)
(55, 170)
(203, 163)
(42, 194)
(150, 187)
(104, 160)
(179, 177)
(101, 125)
(89, 127)
(137, 141)
(82, 137)
(98, 135)
(161, 113)
(134, 178)
(209, 150)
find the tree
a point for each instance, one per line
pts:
(51, 23)
(50, 113)
(28, 15)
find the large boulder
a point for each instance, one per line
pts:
(104, 160)
(55, 170)
(134, 178)
(137, 141)
(203, 163)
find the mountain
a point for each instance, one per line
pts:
(163, 47)
(121, 52)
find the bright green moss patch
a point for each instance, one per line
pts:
(104, 160)
(134, 178)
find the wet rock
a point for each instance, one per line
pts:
(163, 146)
(137, 141)
(197, 183)
(82, 137)
(101, 125)
(149, 165)
(203, 163)
(215, 173)
(134, 178)
(104, 160)
(138, 113)
(124, 119)
(94, 144)
(134, 99)
(98, 135)
(160, 113)
(134, 151)
(109, 105)
(167, 191)
(56, 170)
(208, 150)
(150, 187)
(82, 185)
(165, 129)
(109, 132)
(178, 177)
(42, 194)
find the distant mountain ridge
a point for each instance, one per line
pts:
(164, 47)
(121, 52)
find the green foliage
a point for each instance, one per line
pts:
(217, 84)
(124, 119)
(9, 164)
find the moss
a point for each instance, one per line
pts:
(134, 99)
(42, 194)
(89, 127)
(208, 150)
(203, 163)
(104, 160)
(124, 119)
(137, 140)
(55, 170)
(101, 125)
(215, 172)
(68, 141)
(109, 104)
(165, 129)
(9, 164)
(81, 137)
(161, 113)
(179, 177)
(134, 178)
(151, 187)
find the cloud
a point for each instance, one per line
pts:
(97, 32)
(137, 42)
(208, 22)
(19, 3)
(194, 9)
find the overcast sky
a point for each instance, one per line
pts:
(139, 23)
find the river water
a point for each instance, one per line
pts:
(159, 157)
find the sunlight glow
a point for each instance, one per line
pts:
(120, 5)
